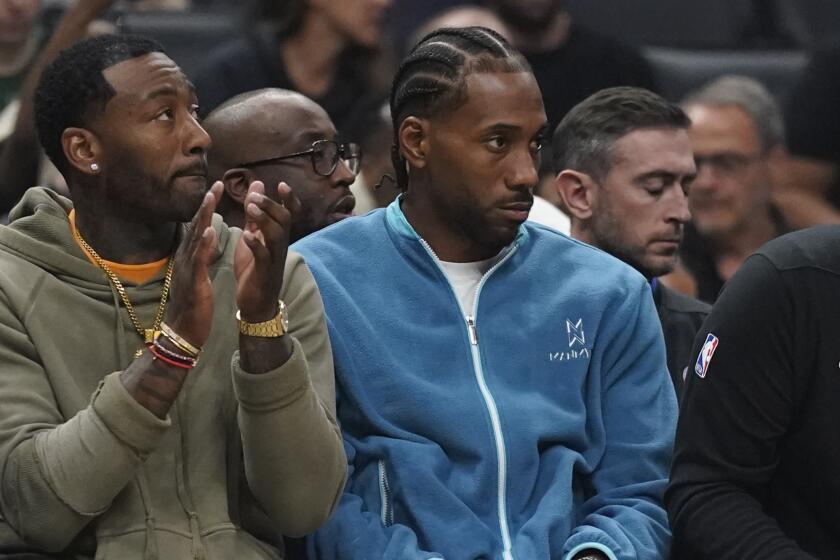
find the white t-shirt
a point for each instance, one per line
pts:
(465, 277)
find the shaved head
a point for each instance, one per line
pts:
(251, 125)
(253, 133)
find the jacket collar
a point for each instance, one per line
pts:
(397, 222)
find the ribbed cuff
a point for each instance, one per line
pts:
(273, 389)
(127, 419)
(591, 545)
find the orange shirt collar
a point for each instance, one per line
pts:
(134, 273)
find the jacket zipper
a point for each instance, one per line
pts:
(489, 402)
(471, 328)
(385, 495)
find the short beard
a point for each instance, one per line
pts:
(475, 228)
(149, 199)
(608, 238)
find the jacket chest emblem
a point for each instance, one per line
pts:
(576, 349)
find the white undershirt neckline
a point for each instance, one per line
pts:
(464, 278)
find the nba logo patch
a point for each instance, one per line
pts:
(705, 357)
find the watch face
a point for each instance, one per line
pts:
(284, 319)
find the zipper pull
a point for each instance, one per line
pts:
(473, 333)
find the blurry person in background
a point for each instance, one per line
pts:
(464, 15)
(736, 133)
(808, 182)
(329, 51)
(158, 5)
(624, 168)
(22, 163)
(569, 62)
(20, 38)
(275, 135)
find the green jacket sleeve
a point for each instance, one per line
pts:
(294, 456)
(54, 478)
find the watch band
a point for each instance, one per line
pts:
(273, 328)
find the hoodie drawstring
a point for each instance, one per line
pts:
(150, 550)
(181, 477)
(179, 419)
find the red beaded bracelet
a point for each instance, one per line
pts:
(155, 350)
(191, 360)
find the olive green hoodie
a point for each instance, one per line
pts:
(86, 470)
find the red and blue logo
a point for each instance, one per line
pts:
(701, 368)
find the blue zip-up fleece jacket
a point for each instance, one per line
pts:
(541, 426)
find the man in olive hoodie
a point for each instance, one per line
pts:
(207, 441)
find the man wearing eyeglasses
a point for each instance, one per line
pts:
(274, 135)
(736, 135)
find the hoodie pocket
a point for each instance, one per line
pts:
(387, 507)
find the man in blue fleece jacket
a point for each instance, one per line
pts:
(502, 388)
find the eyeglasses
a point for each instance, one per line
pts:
(324, 155)
(727, 163)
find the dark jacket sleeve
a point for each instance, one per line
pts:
(732, 422)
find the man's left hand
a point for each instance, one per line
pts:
(261, 253)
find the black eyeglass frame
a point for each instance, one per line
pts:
(341, 151)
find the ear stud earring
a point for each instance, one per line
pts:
(94, 167)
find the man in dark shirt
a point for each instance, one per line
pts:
(624, 165)
(736, 134)
(569, 61)
(757, 453)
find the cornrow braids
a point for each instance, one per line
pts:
(432, 77)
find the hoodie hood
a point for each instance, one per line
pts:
(39, 232)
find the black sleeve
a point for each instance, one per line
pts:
(731, 424)
(812, 114)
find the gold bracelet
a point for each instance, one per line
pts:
(179, 341)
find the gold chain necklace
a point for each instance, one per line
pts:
(146, 334)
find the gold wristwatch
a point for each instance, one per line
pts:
(273, 328)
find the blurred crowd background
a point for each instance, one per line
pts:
(342, 53)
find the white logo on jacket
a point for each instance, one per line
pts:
(577, 344)
(575, 332)
(568, 355)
